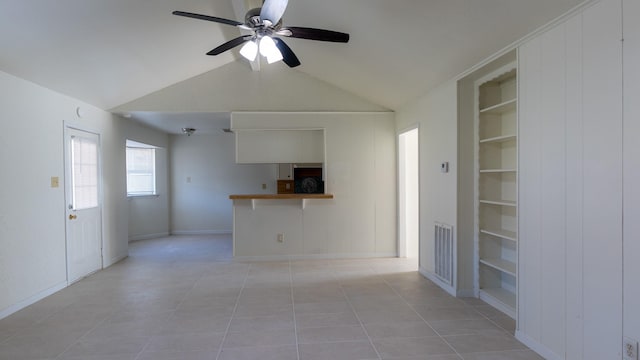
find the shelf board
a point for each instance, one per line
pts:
(503, 107)
(498, 139)
(501, 233)
(505, 266)
(489, 171)
(502, 299)
(499, 202)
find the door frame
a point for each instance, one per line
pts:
(70, 125)
(402, 241)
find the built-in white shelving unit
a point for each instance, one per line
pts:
(496, 188)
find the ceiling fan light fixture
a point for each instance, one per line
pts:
(275, 57)
(188, 131)
(269, 49)
(250, 50)
(264, 22)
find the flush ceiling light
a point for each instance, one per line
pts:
(188, 131)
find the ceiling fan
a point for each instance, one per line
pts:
(265, 23)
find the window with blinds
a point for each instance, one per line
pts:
(141, 170)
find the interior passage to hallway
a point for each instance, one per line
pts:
(186, 298)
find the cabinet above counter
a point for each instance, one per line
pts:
(277, 146)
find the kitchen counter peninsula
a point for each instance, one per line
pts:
(301, 197)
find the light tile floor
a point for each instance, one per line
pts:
(185, 298)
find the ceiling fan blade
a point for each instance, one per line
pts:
(272, 10)
(315, 34)
(208, 18)
(230, 45)
(288, 57)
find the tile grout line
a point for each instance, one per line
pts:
(173, 313)
(353, 309)
(423, 319)
(293, 307)
(495, 323)
(78, 340)
(233, 313)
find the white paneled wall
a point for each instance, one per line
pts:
(631, 169)
(360, 170)
(570, 295)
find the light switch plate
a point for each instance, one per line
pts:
(55, 182)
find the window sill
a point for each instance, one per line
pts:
(142, 196)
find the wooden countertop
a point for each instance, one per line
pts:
(280, 196)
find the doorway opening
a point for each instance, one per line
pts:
(409, 193)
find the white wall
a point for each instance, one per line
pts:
(570, 187)
(32, 214)
(149, 215)
(203, 175)
(360, 165)
(436, 114)
(631, 169)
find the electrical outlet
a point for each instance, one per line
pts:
(629, 349)
(264, 186)
(280, 238)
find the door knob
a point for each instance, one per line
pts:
(73, 217)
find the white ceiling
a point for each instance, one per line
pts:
(172, 123)
(110, 52)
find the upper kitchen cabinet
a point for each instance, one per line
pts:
(280, 146)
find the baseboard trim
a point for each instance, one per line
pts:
(465, 293)
(148, 236)
(542, 350)
(202, 232)
(431, 276)
(314, 257)
(31, 300)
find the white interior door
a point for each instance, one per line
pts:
(84, 209)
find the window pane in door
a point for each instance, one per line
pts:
(84, 179)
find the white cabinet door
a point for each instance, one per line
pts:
(279, 146)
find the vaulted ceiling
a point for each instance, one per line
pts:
(111, 52)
